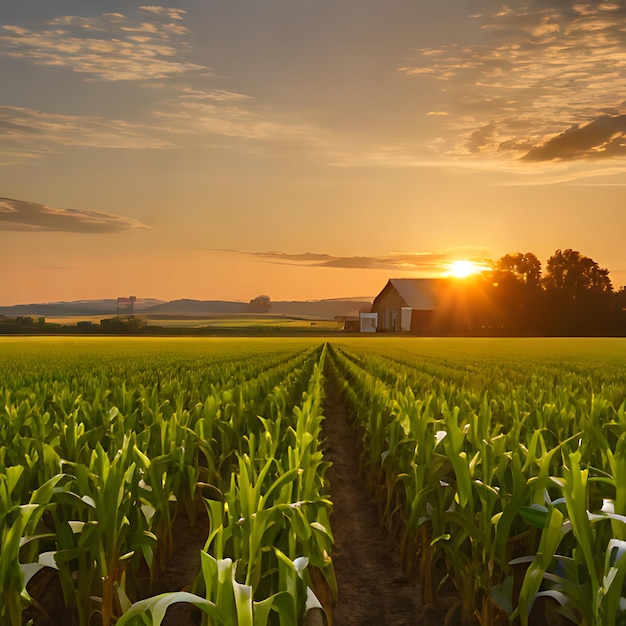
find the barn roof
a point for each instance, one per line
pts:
(421, 294)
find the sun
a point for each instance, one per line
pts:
(464, 268)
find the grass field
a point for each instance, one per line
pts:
(240, 322)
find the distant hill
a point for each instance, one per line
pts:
(197, 307)
(77, 307)
(322, 309)
(325, 309)
(318, 309)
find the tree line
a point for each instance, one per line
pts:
(572, 296)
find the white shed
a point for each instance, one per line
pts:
(368, 322)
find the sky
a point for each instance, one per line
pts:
(224, 149)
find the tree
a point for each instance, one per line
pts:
(260, 304)
(573, 274)
(517, 292)
(524, 267)
(580, 294)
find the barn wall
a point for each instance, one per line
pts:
(422, 321)
(384, 304)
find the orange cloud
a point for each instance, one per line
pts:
(424, 262)
(540, 68)
(601, 138)
(29, 134)
(110, 47)
(24, 215)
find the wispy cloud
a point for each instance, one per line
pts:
(427, 263)
(30, 134)
(201, 114)
(180, 121)
(170, 13)
(150, 50)
(542, 67)
(24, 215)
(186, 107)
(109, 47)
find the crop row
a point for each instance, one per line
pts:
(513, 479)
(95, 461)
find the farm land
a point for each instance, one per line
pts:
(377, 480)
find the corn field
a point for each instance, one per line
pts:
(508, 467)
(499, 464)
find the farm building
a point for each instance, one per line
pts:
(347, 323)
(408, 304)
(368, 322)
(432, 306)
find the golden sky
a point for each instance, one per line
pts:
(305, 150)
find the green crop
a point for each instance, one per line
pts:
(497, 462)
(127, 433)
(463, 448)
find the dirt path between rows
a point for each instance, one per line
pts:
(372, 587)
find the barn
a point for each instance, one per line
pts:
(408, 304)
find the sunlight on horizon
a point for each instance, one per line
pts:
(464, 268)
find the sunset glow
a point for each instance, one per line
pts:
(219, 150)
(463, 269)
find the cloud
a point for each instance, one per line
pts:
(151, 49)
(172, 14)
(193, 118)
(480, 138)
(425, 262)
(24, 215)
(602, 138)
(202, 114)
(214, 95)
(29, 134)
(540, 67)
(109, 47)
(197, 116)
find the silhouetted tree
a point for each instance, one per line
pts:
(619, 311)
(524, 267)
(517, 292)
(573, 274)
(579, 294)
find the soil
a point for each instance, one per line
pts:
(372, 588)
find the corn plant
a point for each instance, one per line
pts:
(19, 528)
(271, 522)
(579, 563)
(115, 528)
